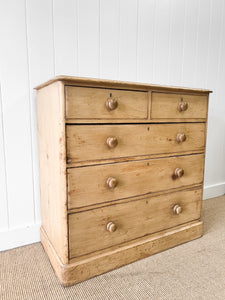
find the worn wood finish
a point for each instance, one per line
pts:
(90, 142)
(131, 220)
(126, 200)
(85, 268)
(121, 168)
(87, 103)
(178, 106)
(133, 179)
(104, 83)
(133, 121)
(52, 156)
(128, 158)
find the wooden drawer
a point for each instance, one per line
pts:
(94, 184)
(88, 230)
(178, 106)
(90, 103)
(89, 142)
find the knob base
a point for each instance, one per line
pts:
(182, 106)
(181, 137)
(179, 172)
(111, 227)
(111, 182)
(112, 142)
(111, 104)
(177, 209)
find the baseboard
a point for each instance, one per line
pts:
(17, 237)
(214, 190)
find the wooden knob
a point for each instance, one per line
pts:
(177, 209)
(179, 172)
(181, 137)
(111, 104)
(111, 227)
(112, 142)
(111, 182)
(182, 106)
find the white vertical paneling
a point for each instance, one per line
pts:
(162, 35)
(41, 56)
(88, 38)
(65, 36)
(176, 41)
(128, 40)
(212, 82)
(109, 38)
(202, 43)
(214, 45)
(40, 41)
(145, 46)
(220, 113)
(3, 189)
(190, 42)
(16, 113)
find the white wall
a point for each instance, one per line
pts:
(171, 42)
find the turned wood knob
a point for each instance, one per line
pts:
(179, 172)
(177, 209)
(111, 104)
(112, 142)
(111, 182)
(182, 106)
(111, 227)
(181, 137)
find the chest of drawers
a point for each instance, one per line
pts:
(121, 171)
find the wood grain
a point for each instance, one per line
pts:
(128, 158)
(88, 185)
(167, 106)
(96, 82)
(106, 189)
(52, 154)
(87, 267)
(87, 103)
(89, 142)
(126, 200)
(88, 230)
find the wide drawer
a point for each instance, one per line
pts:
(92, 142)
(177, 106)
(93, 230)
(96, 184)
(97, 104)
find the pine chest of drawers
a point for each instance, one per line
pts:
(121, 171)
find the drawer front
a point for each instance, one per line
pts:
(176, 106)
(97, 184)
(93, 230)
(95, 142)
(108, 104)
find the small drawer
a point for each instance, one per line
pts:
(105, 227)
(105, 104)
(97, 184)
(99, 142)
(178, 107)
